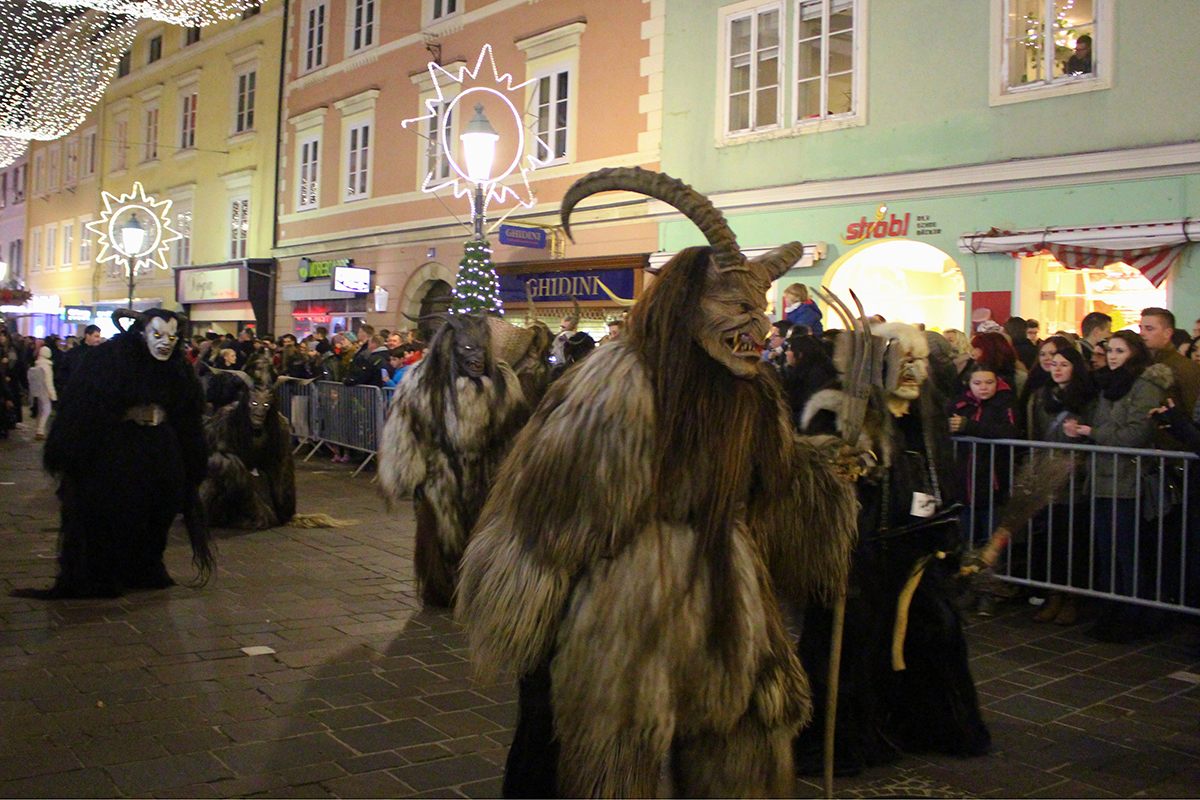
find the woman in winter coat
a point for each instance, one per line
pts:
(1039, 378)
(1131, 386)
(984, 411)
(1058, 410)
(41, 389)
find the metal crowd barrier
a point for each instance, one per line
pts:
(329, 414)
(1138, 548)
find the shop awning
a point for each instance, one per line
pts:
(222, 312)
(1152, 248)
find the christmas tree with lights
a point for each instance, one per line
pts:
(477, 289)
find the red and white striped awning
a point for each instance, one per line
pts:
(1152, 248)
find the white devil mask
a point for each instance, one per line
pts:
(906, 362)
(161, 335)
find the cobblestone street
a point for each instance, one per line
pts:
(357, 692)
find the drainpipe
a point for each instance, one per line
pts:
(283, 62)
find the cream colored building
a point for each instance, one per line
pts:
(351, 175)
(192, 115)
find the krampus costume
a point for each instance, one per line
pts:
(449, 425)
(128, 448)
(905, 680)
(251, 482)
(627, 562)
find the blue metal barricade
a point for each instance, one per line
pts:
(346, 416)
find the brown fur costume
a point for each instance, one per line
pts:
(638, 532)
(446, 432)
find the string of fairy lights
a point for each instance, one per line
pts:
(188, 13)
(57, 57)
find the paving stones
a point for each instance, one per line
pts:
(368, 695)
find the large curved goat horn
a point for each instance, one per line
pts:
(126, 313)
(672, 191)
(780, 260)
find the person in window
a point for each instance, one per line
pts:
(1080, 62)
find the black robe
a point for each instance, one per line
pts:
(931, 705)
(121, 483)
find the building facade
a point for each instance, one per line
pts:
(13, 186)
(943, 162)
(586, 92)
(192, 115)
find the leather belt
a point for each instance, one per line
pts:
(150, 414)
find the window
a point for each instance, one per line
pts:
(551, 108)
(15, 256)
(68, 243)
(191, 36)
(314, 35)
(436, 163)
(444, 8)
(239, 226)
(1046, 48)
(150, 134)
(87, 164)
(359, 163)
(187, 118)
(51, 247)
(310, 167)
(155, 49)
(752, 69)
(39, 173)
(71, 167)
(251, 12)
(53, 164)
(124, 65)
(18, 183)
(181, 248)
(362, 24)
(825, 59)
(3, 189)
(120, 144)
(243, 118)
(85, 243)
(37, 250)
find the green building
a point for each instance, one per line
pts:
(949, 156)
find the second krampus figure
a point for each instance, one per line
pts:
(251, 480)
(448, 427)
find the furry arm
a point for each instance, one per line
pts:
(810, 523)
(401, 462)
(573, 489)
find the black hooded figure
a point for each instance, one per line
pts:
(128, 449)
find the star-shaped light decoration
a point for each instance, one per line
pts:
(151, 214)
(474, 87)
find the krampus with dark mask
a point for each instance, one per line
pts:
(128, 449)
(448, 427)
(251, 482)
(628, 561)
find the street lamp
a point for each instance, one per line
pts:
(133, 239)
(479, 150)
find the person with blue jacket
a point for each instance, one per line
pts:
(800, 309)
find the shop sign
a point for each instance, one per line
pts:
(884, 226)
(209, 285)
(552, 287)
(80, 314)
(311, 270)
(523, 237)
(43, 304)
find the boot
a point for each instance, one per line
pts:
(1049, 609)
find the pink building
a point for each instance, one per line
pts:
(351, 175)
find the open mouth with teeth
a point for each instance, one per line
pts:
(742, 345)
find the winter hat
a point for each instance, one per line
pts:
(44, 352)
(989, 326)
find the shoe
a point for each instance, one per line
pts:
(1069, 613)
(986, 606)
(1049, 610)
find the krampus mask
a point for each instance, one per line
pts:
(731, 318)
(158, 326)
(460, 349)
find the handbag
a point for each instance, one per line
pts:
(1165, 484)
